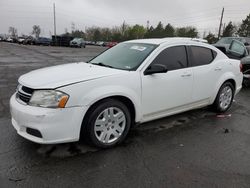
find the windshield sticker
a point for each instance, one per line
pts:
(139, 48)
(127, 67)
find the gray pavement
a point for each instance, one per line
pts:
(193, 149)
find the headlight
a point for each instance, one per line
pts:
(49, 99)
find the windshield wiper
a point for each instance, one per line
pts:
(103, 65)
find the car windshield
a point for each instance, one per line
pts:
(76, 39)
(125, 56)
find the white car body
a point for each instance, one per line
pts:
(153, 96)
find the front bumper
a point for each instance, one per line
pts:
(55, 125)
(75, 45)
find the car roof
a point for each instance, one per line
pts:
(158, 41)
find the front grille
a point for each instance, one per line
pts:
(24, 93)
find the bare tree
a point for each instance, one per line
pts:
(36, 31)
(13, 32)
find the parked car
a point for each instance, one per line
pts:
(29, 40)
(112, 44)
(77, 42)
(240, 50)
(224, 43)
(9, 39)
(133, 82)
(43, 41)
(20, 40)
(246, 70)
(99, 43)
(89, 43)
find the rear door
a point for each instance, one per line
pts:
(206, 72)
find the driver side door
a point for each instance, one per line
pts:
(167, 93)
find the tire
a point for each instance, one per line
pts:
(246, 82)
(224, 98)
(101, 128)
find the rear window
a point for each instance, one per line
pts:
(202, 56)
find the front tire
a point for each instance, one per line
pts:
(224, 98)
(107, 123)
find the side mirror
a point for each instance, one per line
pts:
(156, 68)
(237, 50)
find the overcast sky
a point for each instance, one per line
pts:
(204, 14)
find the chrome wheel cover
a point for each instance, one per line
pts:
(226, 96)
(110, 125)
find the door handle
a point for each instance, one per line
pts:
(218, 69)
(186, 75)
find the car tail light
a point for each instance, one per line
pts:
(241, 67)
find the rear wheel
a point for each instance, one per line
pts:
(107, 123)
(224, 97)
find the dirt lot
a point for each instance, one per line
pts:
(193, 149)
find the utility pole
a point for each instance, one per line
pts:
(54, 10)
(221, 19)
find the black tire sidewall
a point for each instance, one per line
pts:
(217, 100)
(94, 113)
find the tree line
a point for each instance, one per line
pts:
(232, 29)
(128, 32)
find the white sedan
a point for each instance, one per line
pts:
(134, 82)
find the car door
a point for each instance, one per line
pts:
(206, 72)
(237, 50)
(164, 93)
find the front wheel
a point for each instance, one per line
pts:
(224, 98)
(107, 124)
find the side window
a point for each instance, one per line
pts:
(237, 47)
(202, 56)
(173, 58)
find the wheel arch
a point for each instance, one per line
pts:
(224, 79)
(121, 98)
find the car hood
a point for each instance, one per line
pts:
(61, 75)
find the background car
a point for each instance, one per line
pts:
(111, 44)
(99, 43)
(237, 48)
(224, 43)
(43, 41)
(20, 40)
(77, 42)
(29, 40)
(246, 70)
(9, 39)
